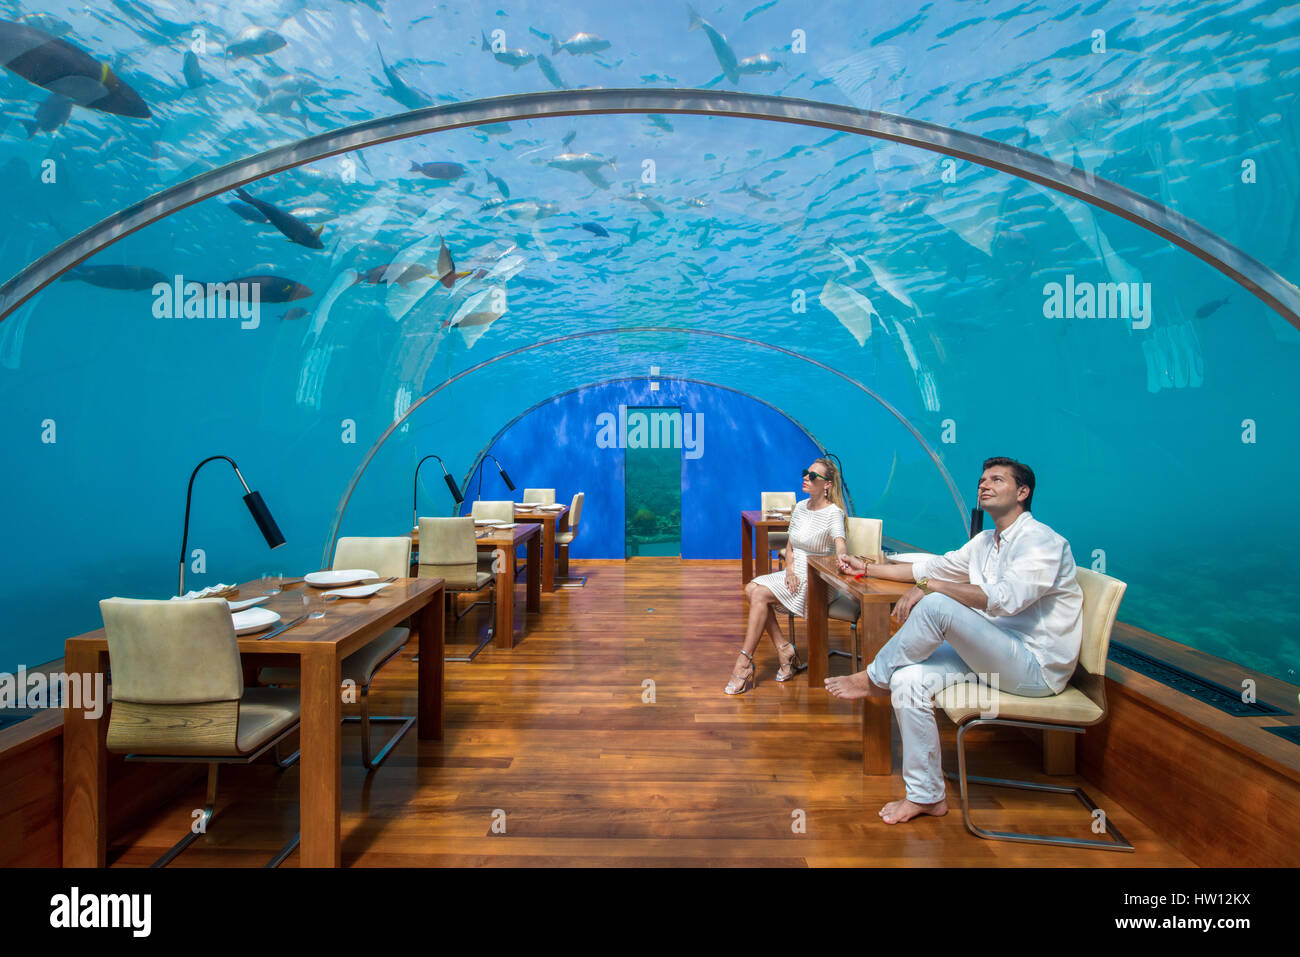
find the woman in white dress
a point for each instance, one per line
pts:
(816, 528)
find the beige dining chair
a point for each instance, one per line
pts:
(776, 541)
(497, 511)
(1080, 706)
(863, 536)
(543, 496)
(388, 557)
(562, 542)
(179, 696)
(448, 550)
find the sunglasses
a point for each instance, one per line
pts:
(808, 473)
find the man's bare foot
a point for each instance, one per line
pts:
(855, 686)
(896, 812)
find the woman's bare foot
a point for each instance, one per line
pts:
(855, 686)
(896, 812)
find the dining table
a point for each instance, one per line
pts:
(875, 597)
(552, 520)
(317, 646)
(755, 526)
(509, 541)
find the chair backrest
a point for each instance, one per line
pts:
(177, 679)
(447, 550)
(864, 537)
(387, 557)
(495, 511)
(771, 500)
(575, 512)
(1101, 597)
(544, 495)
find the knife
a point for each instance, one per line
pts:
(284, 627)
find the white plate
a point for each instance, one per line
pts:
(551, 508)
(908, 558)
(529, 504)
(253, 619)
(246, 603)
(505, 526)
(360, 591)
(343, 576)
(483, 521)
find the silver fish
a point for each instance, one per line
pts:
(580, 43)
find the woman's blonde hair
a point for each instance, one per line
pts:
(833, 478)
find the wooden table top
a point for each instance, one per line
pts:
(872, 589)
(496, 536)
(345, 618)
(539, 514)
(757, 516)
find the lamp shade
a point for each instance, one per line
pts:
(262, 515)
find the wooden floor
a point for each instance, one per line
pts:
(553, 741)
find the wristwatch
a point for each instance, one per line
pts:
(923, 584)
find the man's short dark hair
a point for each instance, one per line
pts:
(1021, 472)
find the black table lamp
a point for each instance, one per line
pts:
(415, 487)
(506, 478)
(261, 514)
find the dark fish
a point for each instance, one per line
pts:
(568, 138)
(514, 58)
(62, 68)
(596, 228)
(50, 115)
(408, 96)
(660, 122)
(446, 268)
(295, 229)
(244, 211)
(447, 171)
(580, 43)
(297, 312)
(500, 184)
(636, 229)
(410, 274)
(1211, 307)
(47, 22)
(253, 41)
(756, 194)
(721, 48)
(548, 70)
(193, 75)
(271, 288)
(116, 277)
(494, 129)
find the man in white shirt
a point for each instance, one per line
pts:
(1005, 607)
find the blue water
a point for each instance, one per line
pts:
(1165, 454)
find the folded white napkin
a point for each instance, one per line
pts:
(211, 590)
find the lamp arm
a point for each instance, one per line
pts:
(189, 494)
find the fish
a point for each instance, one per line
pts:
(297, 312)
(699, 202)
(295, 229)
(494, 129)
(244, 211)
(548, 70)
(636, 196)
(254, 41)
(634, 232)
(584, 164)
(193, 74)
(446, 267)
(515, 58)
(527, 210)
(721, 49)
(760, 9)
(499, 183)
(580, 43)
(116, 277)
(387, 274)
(50, 115)
(756, 194)
(270, 288)
(47, 22)
(568, 138)
(762, 63)
(312, 214)
(659, 121)
(408, 96)
(446, 171)
(1211, 307)
(596, 228)
(63, 68)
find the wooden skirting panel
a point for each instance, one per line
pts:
(1211, 799)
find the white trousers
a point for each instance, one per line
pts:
(944, 642)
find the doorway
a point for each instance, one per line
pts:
(653, 482)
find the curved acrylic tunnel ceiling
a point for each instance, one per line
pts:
(1243, 269)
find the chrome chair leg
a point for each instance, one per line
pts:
(199, 826)
(1119, 844)
(488, 635)
(283, 854)
(365, 718)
